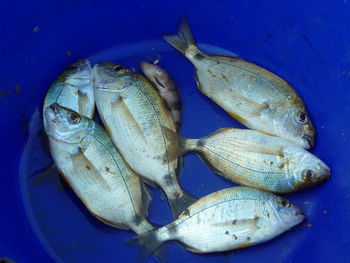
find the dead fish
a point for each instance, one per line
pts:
(161, 79)
(94, 169)
(229, 219)
(251, 94)
(255, 159)
(73, 89)
(136, 116)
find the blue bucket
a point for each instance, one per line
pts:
(305, 42)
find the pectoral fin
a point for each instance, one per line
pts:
(82, 165)
(146, 199)
(119, 108)
(83, 103)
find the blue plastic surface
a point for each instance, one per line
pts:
(305, 42)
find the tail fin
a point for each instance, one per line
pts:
(189, 145)
(183, 145)
(178, 205)
(147, 242)
(183, 39)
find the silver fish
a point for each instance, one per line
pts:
(92, 166)
(253, 95)
(258, 160)
(73, 89)
(136, 117)
(229, 219)
(167, 89)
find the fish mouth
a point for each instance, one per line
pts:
(326, 173)
(310, 140)
(301, 215)
(53, 111)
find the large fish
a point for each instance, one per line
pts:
(161, 79)
(92, 166)
(255, 159)
(228, 219)
(73, 89)
(253, 95)
(136, 117)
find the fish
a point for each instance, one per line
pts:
(254, 96)
(136, 117)
(94, 169)
(74, 89)
(255, 159)
(228, 219)
(164, 83)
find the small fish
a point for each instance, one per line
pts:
(229, 219)
(167, 89)
(258, 160)
(92, 166)
(136, 117)
(253, 95)
(73, 89)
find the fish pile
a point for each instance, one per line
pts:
(109, 166)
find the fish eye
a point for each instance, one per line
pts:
(301, 117)
(117, 68)
(72, 67)
(73, 118)
(308, 175)
(282, 203)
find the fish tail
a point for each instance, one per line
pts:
(178, 205)
(188, 145)
(148, 243)
(183, 39)
(184, 145)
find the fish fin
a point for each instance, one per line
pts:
(146, 199)
(244, 245)
(183, 39)
(173, 150)
(149, 182)
(83, 102)
(210, 166)
(189, 248)
(181, 145)
(178, 205)
(147, 242)
(50, 173)
(120, 108)
(180, 165)
(110, 223)
(82, 163)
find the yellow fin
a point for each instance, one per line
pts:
(244, 245)
(237, 117)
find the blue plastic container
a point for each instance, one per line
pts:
(305, 42)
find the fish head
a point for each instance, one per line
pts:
(309, 171)
(78, 74)
(66, 125)
(156, 74)
(112, 77)
(297, 127)
(287, 215)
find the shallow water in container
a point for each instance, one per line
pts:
(49, 202)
